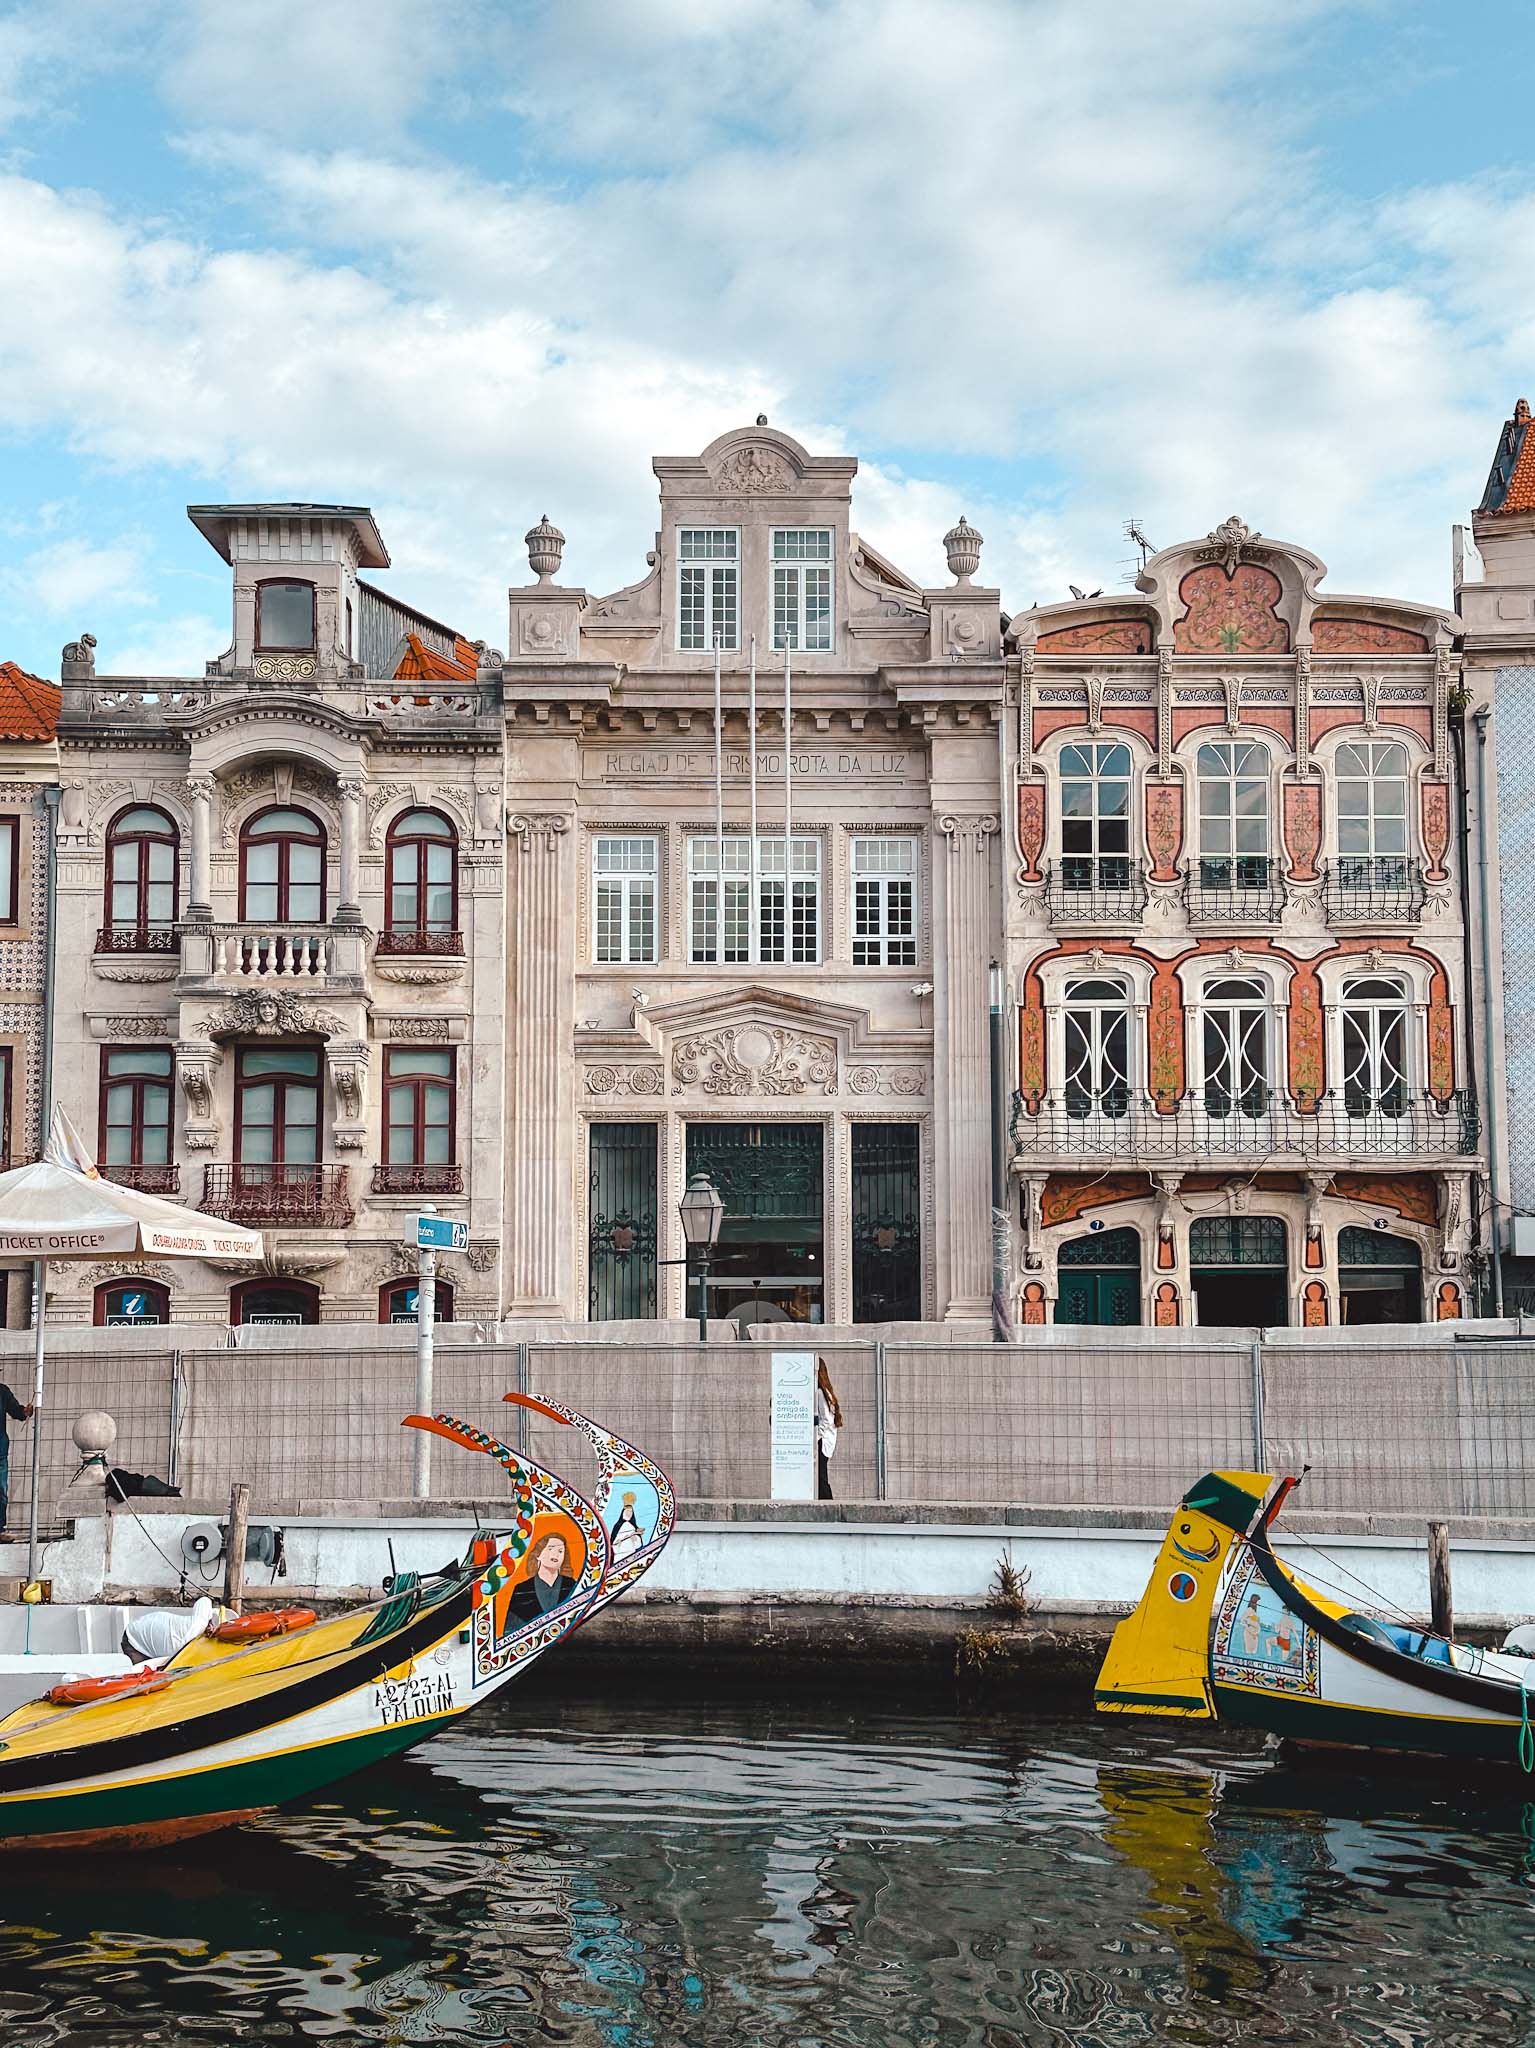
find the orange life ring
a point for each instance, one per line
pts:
(251, 1628)
(80, 1692)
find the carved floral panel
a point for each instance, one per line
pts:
(1232, 614)
(1107, 636)
(1303, 830)
(1359, 636)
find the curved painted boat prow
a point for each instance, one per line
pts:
(1159, 1658)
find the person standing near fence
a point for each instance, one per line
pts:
(828, 1420)
(11, 1410)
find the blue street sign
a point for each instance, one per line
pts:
(441, 1234)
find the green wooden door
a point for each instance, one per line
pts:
(1100, 1280)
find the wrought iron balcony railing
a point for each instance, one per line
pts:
(163, 1179)
(153, 938)
(421, 942)
(313, 1197)
(1382, 888)
(441, 1179)
(1244, 889)
(1208, 1123)
(1106, 889)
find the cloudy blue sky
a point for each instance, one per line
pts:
(1052, 263)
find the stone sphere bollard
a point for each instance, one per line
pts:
(94, 1433)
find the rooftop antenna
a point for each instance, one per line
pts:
(1135, 532)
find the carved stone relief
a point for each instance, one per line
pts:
(754, 472)
(755, 1059)
(905, 1081)
(266, 1015)
(607, 1080)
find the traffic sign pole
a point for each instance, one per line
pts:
(426, 1313)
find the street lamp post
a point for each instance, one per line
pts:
(702, 1212)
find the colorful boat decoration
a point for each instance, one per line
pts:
(226, 1730)
(1226, 1631)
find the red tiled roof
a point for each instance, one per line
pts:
(1511, 485)
(29, 707)
(420, 664)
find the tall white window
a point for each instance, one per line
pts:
(1375, 1040)
(1235, 1046)
(1097, 1048)
(802, 587)
(1095, 815)
(1234, 815)
(884, 902)
(1372, 800)
(708, 587)
(719, 906)
(624, 898)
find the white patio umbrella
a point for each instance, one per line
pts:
(61, 1208)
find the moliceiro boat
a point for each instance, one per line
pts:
(272, 1707)
(1225, 1631)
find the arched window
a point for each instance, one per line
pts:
(1375, 1046)
(1233, 815)
(1235, 1045)
(119, 1304)
(421, 889)
(1371, 781)
(141, 902)
(274, 1301)
(1095, 815)
(1100, 1279)
(1096, 1064)
(284, 616)
(397, 1302)
(282, 868)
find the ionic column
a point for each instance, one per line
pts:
(542, 1134)
(962, 1081)
(200, 796)
(349, 909)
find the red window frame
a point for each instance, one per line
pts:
(305, 1297)
(10, 894)
(285, 583)
(152, 1291)
(417, 1085)
(136, 1084)
(279, 1085)
(142, 921)
(421, 842)
(251, 835)
(391, 1288)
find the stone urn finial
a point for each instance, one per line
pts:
(963, 546)
(546, 544)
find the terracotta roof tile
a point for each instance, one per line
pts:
(29, 707)
(1511, 482)
(422, 664)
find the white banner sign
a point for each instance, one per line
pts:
(794, 1425)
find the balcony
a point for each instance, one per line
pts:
(439, 1179)
(1244, 889)
(285, 1197)
(436, 943)
(1106, 889)
(156, 938)
(311, 956)
(164, 1179)
(1376, 889)
(1264, 1127)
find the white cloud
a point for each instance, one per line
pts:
(70, 575)
(168, 647)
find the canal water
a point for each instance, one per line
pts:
(701, 1876)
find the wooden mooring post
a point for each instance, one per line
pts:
(234, 1544)
(1441, 1606)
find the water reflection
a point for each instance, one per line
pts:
(719, 1878)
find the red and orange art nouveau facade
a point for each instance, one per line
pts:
(1235, 929)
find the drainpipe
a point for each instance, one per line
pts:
(51, 798)
(1484, 891)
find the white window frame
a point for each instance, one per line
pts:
(888, 941)
(716, 569)
(632, 890)
(790, 572)
(1212, 820)
(704, 947)
(1376, 821)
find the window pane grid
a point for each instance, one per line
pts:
(884, 903)
(624, 906)
(804, 903)
(707, 588)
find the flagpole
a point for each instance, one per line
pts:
(788, 770)
(719, 806)
(751, 866)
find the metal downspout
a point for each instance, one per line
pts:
(1494, 1202)
(51, 796)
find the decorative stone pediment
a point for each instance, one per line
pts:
(755, 1059)
(267, 1014)
(757, 1044)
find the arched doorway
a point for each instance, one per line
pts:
(1239, 1267)
(1380, 1278)
(1100, 1279)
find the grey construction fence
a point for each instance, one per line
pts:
(1438, 1429)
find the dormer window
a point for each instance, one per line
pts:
(708, 588)
(802, 587)
(284, 616)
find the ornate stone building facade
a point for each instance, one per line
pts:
(1237, 935)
